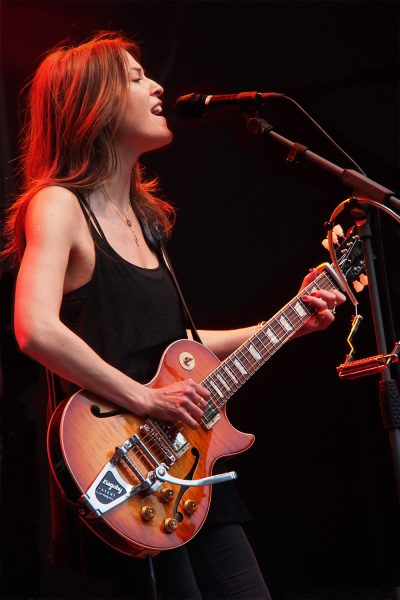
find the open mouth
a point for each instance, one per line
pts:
(157, 110)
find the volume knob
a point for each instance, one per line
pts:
(167, 494)
(170, 524)
(148, 513)
(190, 506)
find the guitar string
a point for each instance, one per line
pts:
(247, 357)
(322, 282)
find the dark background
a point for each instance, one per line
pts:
(319, 480)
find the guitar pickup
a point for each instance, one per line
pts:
(209, 423)
(168, 439)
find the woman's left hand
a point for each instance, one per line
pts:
(323, 301)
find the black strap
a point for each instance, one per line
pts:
(155, 234)
(51, 392)
(193, 329)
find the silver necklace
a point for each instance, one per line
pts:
(123, 218)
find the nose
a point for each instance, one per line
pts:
(156, 89)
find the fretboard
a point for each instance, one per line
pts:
(237, 368)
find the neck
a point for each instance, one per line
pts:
(118, 187)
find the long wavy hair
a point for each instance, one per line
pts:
(74, 103)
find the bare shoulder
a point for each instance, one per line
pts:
(54, 200)
(53, 208)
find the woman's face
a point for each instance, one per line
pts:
(142, 128)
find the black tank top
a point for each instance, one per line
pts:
(127, 314)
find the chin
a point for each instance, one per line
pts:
(161, 141)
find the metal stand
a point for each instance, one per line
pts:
(368, 189)
(361, 186)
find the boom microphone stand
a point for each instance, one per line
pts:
(368, 192)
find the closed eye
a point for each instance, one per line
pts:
(138, 74)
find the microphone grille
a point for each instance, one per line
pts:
(190, 105)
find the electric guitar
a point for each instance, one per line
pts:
(144, 485)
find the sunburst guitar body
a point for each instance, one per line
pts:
(83, 436)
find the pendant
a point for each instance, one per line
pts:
(128, 222)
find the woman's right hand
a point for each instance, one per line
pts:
(183, 401)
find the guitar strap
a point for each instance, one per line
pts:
(189, 318)
(156, 239)
(51, 394)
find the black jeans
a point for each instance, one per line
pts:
(217, 564)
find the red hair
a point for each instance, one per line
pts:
(74, 104)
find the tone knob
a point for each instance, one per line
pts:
(167, 494)
(190, 506)
(148, 513)
(170, 524)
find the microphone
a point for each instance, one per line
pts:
(196, 105)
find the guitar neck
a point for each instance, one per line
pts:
(239, 366)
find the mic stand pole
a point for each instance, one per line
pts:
(389, 397)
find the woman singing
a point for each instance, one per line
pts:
(96, 305)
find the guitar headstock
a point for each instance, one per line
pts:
(349, 255)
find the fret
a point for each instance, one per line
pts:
(268, 346)
(235, 370)
(300, 309)
(216, 388)
(223, 382)
(277, 328)
(232, 370)
(239, 367)
(230, 374)
(260, 342)
(284, 321)
(280, 331)
(246, 358)
(271, 336)
(329, 281)
(213, 400)
(256, 348)
(294, 317)
(237, 376)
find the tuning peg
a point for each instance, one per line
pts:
(325, 244)
(358, 286)
(363, 279)
(338, 230)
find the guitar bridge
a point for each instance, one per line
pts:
(167, 437)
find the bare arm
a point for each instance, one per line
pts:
(52, 222)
